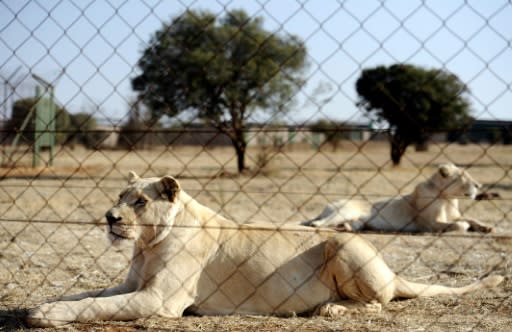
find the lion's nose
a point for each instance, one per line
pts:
(111, 219)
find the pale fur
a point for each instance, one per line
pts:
(432, 207)
(188, 257)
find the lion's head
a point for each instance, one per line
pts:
(453, 181)
(145, 210)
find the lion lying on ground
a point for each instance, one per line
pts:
(432, 207)
(187, 257)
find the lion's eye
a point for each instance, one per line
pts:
(139, 202)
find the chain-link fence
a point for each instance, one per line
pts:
(265, 112)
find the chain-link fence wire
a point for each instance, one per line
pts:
(325, 148)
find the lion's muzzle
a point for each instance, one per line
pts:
(111, 218)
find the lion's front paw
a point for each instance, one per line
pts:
(50, 315)
(482, 228)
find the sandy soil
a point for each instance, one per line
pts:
(52, 241)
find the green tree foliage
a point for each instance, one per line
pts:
(20, 111)
(415, 102)
(223, 69)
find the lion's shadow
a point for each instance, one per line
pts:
(12, 319)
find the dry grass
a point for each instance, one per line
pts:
(51, 244)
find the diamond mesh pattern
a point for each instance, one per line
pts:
(52, 226)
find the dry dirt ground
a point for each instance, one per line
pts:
(52, 241)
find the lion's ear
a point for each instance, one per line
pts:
(168, 187)
(446, 170)
(132, 177)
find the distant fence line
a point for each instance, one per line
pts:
(104, 136)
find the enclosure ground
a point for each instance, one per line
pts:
(52, 239)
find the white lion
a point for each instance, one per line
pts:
(432, 207)
(187, 256)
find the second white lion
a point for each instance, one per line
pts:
(433, 206)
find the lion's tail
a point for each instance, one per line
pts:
(408, 289)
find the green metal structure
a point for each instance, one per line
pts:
(44, 126)
(43, 114)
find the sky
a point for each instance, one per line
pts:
(89, 49)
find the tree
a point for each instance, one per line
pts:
(415, 102)
(224, 70)
(20, 110)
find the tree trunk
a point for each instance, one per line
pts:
(240, 146)
(398, 147)
(240, 156)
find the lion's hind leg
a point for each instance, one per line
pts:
(351, 225)
(338, 309)
(342, 213)
(478, 226)
(357, 270)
